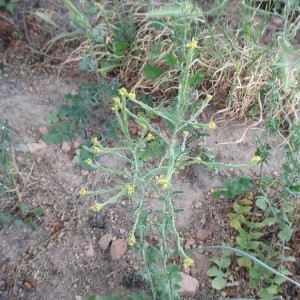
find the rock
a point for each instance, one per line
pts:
(90, 252)
(65, 147)
(78, 297)
(105, 241)
(43, 130)
(188, 284)
(198, 205)
(189, 243)
(203, 234)
(118, 248)
(32, 147)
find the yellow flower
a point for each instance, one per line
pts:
(175, 142)
(131, 96)
(96, 207)
(188, 6)
(131, 241)
(115, 108)
(116, 100)
(208, 97)
(161, 180)
(256, 159)
(181, 167)
(94, 140)
(82, 191)
(150, 137)
(130, 190)
(212, 125)
(89, 161)
(187, 262)
(123, 92)
(96, 149)
(198, 159)
(185, 133)
(191, 45)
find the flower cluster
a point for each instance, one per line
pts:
(130, 190)
(256, 159)
(191, 45)
(149, 137)
(96, 207)
(197, 159)
(162, 181)
(212, 125)
(82, 191)
(131, 240)
(187, 262)
(185, 133)
(124, 93)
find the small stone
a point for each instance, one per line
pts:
(35, 147)
(65, 147)
(188, 284)
(277, 21)
(122, 231)
(105, 241)
(194, 271)
(84, 172)
(89, 252)
(203, 234)
(189, 243)
(118, 249)
(78, 297)
(198, 205)
(187, 271)
(43, 130)
(123, 203)
(223, 294)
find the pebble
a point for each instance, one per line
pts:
(77, 297)
(105, 241)
(203, 234)
(189, 243)
(118, 249)
(198, 205)
(65, 147)
(188, 284)
(90, 252)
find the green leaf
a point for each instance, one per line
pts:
(279, 280)
(152, 72)
(261, 202)
(245, 262)
(52, 117)
(285, 234)
(24, 208)
(6, 217)
(120, 47)
(10, 7)
(253, 272)
(223, 263)
(197, 78)
(219, 283)
(38, 212)
(264, 294)
(254, 111)
(215, 272)
(255, 235)
(170, 60)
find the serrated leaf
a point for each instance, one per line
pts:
(170, 60)
(120, 47)
(52, 117)
(215, 272)
(255, 235)
(197, 78)
(219, 283)
(253, 272)
(152, 72)
(38, 212)
(279, 280)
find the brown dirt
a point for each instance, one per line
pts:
(54, 262)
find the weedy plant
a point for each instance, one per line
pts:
(12, 208)
(172, 63)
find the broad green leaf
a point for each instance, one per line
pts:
(223, 263)
(279, 280)
(253, 272)
(219, 283)
(152, 72)
(273, 289)
(52, 117)
(265, 295)
(255, 235)
(215, 272)
(261, 203)
(245, 262)
(285, 234)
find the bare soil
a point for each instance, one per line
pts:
(62, 258)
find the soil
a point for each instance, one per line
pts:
(62, 259)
